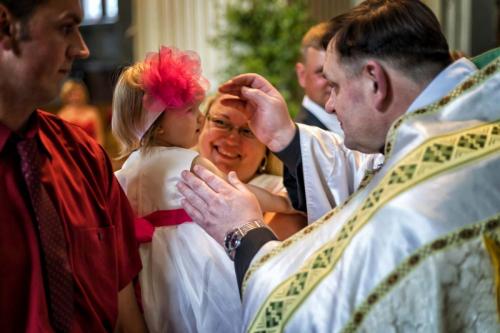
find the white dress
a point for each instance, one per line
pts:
(187, 282)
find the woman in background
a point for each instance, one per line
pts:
(76, 110)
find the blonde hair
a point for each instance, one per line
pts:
(69, 86)
(313, 38)
(209, 102)
(129, 114)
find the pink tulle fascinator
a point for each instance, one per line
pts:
(171, 80)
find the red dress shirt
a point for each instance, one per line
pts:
(97, 221)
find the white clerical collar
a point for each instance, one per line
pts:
(328, 119)
(442, 84)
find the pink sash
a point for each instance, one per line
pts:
(145, 226)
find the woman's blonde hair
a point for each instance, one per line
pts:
(128, 112)
(209, 102)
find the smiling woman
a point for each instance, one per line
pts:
(228, 142)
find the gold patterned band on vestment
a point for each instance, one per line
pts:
(433, 157)
(476, 79)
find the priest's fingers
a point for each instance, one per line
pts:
(204, 219)
(233, 86)
(252, 80)
(236, 182)
(191, 187)
(216, 184)
(191, 210)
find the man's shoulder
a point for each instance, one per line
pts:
(303, 114)
(306, 117)
(56, 128)
(65, 139)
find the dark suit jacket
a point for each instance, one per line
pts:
(306, 117)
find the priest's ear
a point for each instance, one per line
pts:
(7, 28)
(378, 83)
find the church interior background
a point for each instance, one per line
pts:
(119, 32)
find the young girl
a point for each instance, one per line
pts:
(187, 281)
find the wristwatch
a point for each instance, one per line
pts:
(233, 237)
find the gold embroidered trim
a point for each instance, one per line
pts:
(433, 157)
(286, 243)
(490, 227)
(305, 231)
(470, 83)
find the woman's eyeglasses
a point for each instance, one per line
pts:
(224, 125)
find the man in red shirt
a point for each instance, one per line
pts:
(39, 40)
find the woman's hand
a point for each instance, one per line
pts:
(216, 205)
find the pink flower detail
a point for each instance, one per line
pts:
(172, 79)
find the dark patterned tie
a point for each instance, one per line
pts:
(54, 249)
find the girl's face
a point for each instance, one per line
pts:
(179, 128)
(227, 141)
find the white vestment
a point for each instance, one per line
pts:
(341, 170)
(410, 250)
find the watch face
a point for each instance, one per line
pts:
(230, 240)
(235, 241)
(233, 238)
(227, 241)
